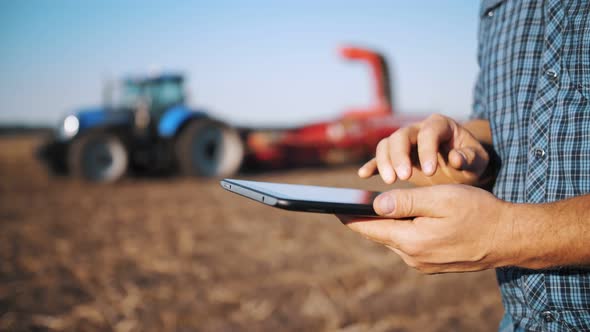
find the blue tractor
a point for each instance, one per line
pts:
(148, 129)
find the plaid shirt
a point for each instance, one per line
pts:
(534, 88)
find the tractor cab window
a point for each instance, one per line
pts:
(164, 94)
(130, 95)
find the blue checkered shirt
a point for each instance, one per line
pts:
(534, 88)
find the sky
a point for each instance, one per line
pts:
(247, 62)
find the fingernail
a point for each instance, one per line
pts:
(386, 204)
(403, 172)
(361, 171)
(462, 154)
(428, 167)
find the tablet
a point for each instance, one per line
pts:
(306, 198)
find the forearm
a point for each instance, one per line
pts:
(550, 235)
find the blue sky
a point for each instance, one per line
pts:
(248, 62)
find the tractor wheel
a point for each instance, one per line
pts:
(98, 157)
(209, 148)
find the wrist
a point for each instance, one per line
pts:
(511, 242)
(530, 243)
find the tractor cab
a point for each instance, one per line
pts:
(147, 97)
(158, 93)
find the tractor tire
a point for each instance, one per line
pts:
(209, 148)
(98, 157)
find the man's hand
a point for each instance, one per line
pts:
(441, 143)
(446, 228)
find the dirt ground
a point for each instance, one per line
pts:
(182, 254)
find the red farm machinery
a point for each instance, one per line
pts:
(349, 138)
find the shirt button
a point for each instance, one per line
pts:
(552, 74)
(490, 13)
(538, 152)
(547, 316)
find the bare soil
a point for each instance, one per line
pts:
(179, 254)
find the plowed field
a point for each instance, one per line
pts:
(177, 254)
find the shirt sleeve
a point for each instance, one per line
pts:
(478, 110)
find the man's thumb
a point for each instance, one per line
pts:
(406, 203)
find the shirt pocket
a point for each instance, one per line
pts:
(577, 47)
(487, 6)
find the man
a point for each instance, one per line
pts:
(532, 104)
